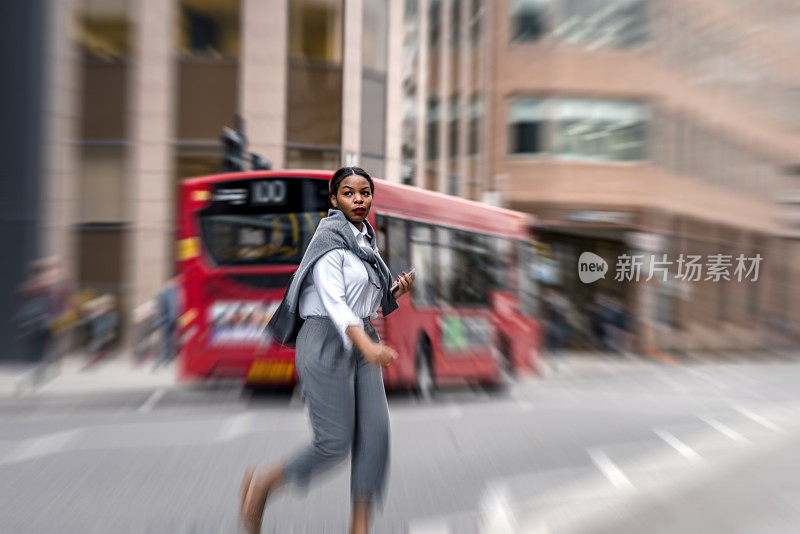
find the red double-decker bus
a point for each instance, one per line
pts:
(468, 318)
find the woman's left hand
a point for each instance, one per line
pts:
(404, 283)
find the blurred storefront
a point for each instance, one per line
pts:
(616, 119)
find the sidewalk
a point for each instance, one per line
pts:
(123, 373)
(70, 375)
(571, 361)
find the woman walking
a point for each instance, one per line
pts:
(340, 284)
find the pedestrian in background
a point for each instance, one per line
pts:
(599, 318)
(46, 316)
(168, 311)
(617, 327)
(338, 287)
(63, 313)
(555, 324)
(144, 327)
(34, 312)
(103, 321)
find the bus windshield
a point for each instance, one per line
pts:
(262, 222)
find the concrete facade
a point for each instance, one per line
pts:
(125, 124)
(694, 194)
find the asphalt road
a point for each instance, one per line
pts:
(600, 445)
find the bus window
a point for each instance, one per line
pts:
(422, 256)
(446, 279)
(528, 286)
(398, 246)
(380, 231)
(498, 263)
(260, 222)
(471, 269)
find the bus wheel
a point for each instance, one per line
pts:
(426, 383)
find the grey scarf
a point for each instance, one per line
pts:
(333, 232)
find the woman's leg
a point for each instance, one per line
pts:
(370, 452)
(359, 522)
(326, 373)
(255, 490)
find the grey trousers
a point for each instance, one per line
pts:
(348, 411)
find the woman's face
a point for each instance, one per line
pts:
(354, 198)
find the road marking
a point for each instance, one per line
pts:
(236, 426)
(124, 408)
(152, 400)
(610, 470)
(42, 446)
(431, 526)
(724, 429)
(704, 376)
(497, 513)
(677, 444)
(763, 421)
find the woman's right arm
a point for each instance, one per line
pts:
(328, 275)
(377, 353)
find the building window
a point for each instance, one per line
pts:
(435, 22)
(410, 13)
(209, 29)
(599, 24)
(529, 19)
(315, 30)
(579, 129)
(374, 36)
(599, 130)
(476, 14)
(312, 158)
(105, 31)
(475, 113)
(432, 134)
(373, 87)
(455, 30)
(452, 127)
(408, 149)
(102, 184)
(314, 83)
(527, 122)
(453, 184)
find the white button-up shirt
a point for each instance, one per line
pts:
(339, 288)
